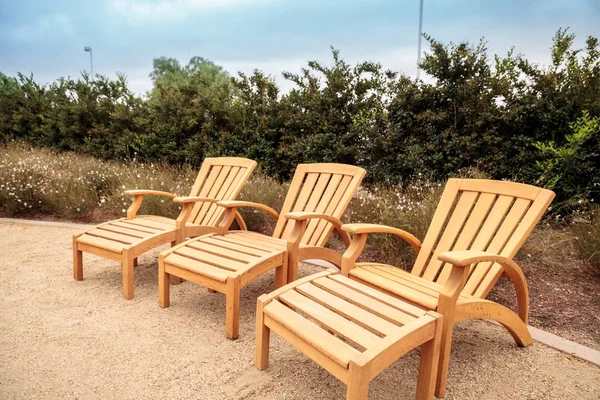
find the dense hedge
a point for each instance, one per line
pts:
(507, 117)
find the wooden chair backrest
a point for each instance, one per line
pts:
(220, 178)
(483, 215)
(322, 188)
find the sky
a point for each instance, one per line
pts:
(47, 38)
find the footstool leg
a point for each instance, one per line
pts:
(135, 262)
(232, 313)
(127, 264)
(77, 261)
(263, 336)
(428, 366)
(358, 384)
(164, 296)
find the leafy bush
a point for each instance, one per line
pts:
(475, 113)
(587, 238)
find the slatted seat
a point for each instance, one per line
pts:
(125, 239)
(477, 229)
(317, 198)
(350, 329)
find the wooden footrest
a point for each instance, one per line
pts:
(350, 329)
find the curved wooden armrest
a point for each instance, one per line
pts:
(138, 197)
(142, 192)
(359, 229)
(193, 199)
(239, 203)
(337, 224)
(465, 258)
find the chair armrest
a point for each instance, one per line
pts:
(360, 229)
(138, 197)
(337, 224)
(465, 258)
(359, 239)
(153, 192)
(228, 204)
(192, 199)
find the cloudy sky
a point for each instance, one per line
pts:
(47, 37)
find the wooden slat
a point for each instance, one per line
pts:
(311, 333)
(398, 286)
(144, 229)
(117, 237)
(223, 242)
(214, 212)
(222, 251)
(94, 241)
(383, 297)
(367, 320)
(197, 267)
(420, 284)
(118, 229)
(148, 223)
(455, 224)
(350, 331)
(373, 305)
(219, 262)
(303, 197)
(257, 240)
(208, 183)
(509, 225)
(345, 189)
(311, 229)
(437, 223)
(214, 189)
(472, 226)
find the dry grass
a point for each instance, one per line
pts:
(48, 184)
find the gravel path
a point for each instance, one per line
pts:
(65, 339)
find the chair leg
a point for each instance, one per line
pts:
(281, 274)
(135, 262)
(263, 337)
(444, 362)
(77, 260)
(428, 366)
(127, 265)
(358, 384)
(232, 313)
(164, 287)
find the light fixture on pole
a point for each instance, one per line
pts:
(88, 48)
(420, 37)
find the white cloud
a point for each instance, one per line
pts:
(159, 9)
(50, 25)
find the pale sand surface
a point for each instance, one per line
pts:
(65, 339)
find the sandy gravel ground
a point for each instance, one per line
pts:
(81, 340)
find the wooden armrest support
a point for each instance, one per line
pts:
(337, 224)
(138, 197)
(192, 199)
(238, 203)
(465, 258)
(149, 192)
(359, 229)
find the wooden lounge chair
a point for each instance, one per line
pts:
(229, 260)
(124, 239)
(478, 227)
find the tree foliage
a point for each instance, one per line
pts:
(506, 116)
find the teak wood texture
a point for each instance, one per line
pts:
(350, 329)
(123, 240)
(229, 260)
(478, 226)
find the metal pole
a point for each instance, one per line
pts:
(92, 62)
(420, 37)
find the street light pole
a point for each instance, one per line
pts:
(420, 37)
(87, 48)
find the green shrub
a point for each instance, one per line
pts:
(587, 237)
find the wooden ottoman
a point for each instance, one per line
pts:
(350, 329)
